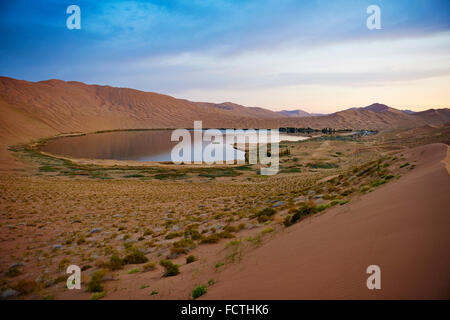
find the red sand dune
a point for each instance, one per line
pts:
(403, 227)
(32, 110)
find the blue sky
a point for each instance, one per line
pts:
(315, 55)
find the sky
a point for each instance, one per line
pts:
(317, 55)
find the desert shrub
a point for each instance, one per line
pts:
(378, 182)
(25, 286)
(115, 263)
(135, 257)
(303, 211)
(404, 165)
(184, 243)
(199, 291)
(323, 165)
(192, 234)
(230, 229)
(47, 168)
(322, 207)
(218, 172)
(95, 283)
(61, 278)
(265, 214)
(13, 272)
(81, 240)
(170, 175)
(134, 270)
(98, 295)
(211, 282)
(135, 175)
(63, 264)
(287, 220)
(267, 230)
(173, 235)
(190, 259)
(149, 266)
(347, 192)
(178, 251)
(170, 268)
(226, 235)
(213, 238)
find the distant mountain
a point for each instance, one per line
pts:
(237, 109)
(31, 110)
(378, 107)
(298, 113)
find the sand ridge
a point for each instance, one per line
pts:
(402, 227)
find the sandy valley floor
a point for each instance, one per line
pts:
(374, 200)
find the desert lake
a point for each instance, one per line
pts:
(145, 145)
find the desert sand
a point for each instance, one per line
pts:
(402, 227)
(379, 199)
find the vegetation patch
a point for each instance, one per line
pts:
(323, 165)
(95, 283)
(199, 291)
(171, 269)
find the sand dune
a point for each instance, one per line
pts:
(32, 110)
(403, 227)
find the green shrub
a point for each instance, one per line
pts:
(226, 235)
(303, 211)
(98, 295)
(47, 168)
(171, 269)
(323, 206)
(184, 243)
(192, 234)
(95, 283)
(213, 238)
(135, 257)
(135, 270)
(287, 220)
(199, 291)
(190, 259)
(323, 165)
(115, 263)
(267, 230)
(265, 214)
(230, 229)
(173, 235)
(404, 165)
(13, 272)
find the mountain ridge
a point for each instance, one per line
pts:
(72, 106)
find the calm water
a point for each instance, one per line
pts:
(152, 145)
